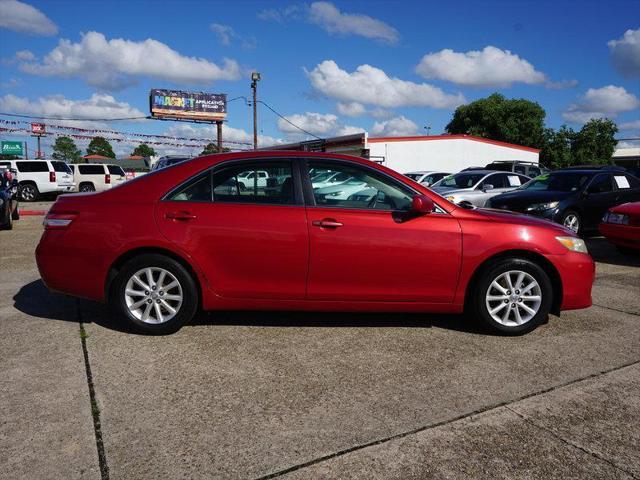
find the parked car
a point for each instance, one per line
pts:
(574, 197)
(96, 177)
(328, 178)
(184, 244)
(167, 161)
(8, 199)
(343, 190)
(250, 179)
(38, 177)
(621, 226)
(426, 178)
(530, 169)
(476, 187)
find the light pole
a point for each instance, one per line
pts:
(428, 129)
(255, 78)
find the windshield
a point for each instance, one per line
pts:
(461, 180)
(115, 170)
(323, 177)
(413, 176)
(558, 182)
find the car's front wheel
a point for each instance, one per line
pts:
(572, 221)
(155, 293)
(513, 296)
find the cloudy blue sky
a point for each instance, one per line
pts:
(389, 67)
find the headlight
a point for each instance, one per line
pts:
(451, 198)
(334, 194)
(539, 207)
(619, 218)
(574, 244)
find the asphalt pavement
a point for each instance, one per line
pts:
(301, 395)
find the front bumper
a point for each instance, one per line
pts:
(622, 235)
(577, 273)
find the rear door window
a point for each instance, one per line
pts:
(601, 184)
(232, 184)
(91, 169)
(31, 166)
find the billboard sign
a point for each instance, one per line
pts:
(188, 105)
(11, 148)
(38, 128)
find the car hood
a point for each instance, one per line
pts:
(340, 187)
(528, 197)
(502, 216)
(627, 209)
(450, 190)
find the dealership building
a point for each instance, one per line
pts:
(447, 153)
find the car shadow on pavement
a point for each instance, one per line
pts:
(604, 252)
(36, 300)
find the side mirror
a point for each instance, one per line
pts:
(422, 204)
(487, 187)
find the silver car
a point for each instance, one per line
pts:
(426, 177)
(477, 186)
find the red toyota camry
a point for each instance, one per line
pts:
(621, 226)
(305, 231)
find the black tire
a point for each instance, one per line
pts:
(87, 187)
(478, 302)
(187, 309)
(28, 192)
(572, 213)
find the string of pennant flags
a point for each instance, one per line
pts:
(89, 133)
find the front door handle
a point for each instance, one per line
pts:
(326, 223)
(183, 216)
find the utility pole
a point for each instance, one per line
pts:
(219, 127)
(255, 78)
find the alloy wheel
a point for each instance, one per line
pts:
(513, 298)
(572, 222)
(28, 193)
(153, 295)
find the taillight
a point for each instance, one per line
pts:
(52, 176)
(107, 178)
(58, 220)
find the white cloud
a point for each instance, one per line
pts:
(280, 14)
(602, 102)
(633, 125)
(114, 64)
(22, 17)
(329, 17)
(224, 32)
(229, 134)
(99, 106)
(395, 127)
(25, 55)
(491, 67)
(370, 85)
(319, 124)
(351, 109)
(625, 53)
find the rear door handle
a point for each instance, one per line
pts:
(326, 223)
(184, 216)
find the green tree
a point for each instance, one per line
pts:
(595, 142)
(100, 146)
(515, 120)
(65, 149)
(144, 150)
(213, 148)
(556, 151)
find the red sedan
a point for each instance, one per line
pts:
(193, 236)
(621, 226)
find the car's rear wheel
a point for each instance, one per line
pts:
(155, 293)
(572, 221)
(87, 187)
(28, 192)
(513, 296)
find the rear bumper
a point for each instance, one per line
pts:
(577, 272)
(623, 235)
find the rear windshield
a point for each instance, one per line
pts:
(61, 167)
(558, 182)
(115, 170)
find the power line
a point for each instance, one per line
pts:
(76, 119)
(289, 121)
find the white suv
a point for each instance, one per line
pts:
(36, 177)
(97, 177)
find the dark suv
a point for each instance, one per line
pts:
(574, 197)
